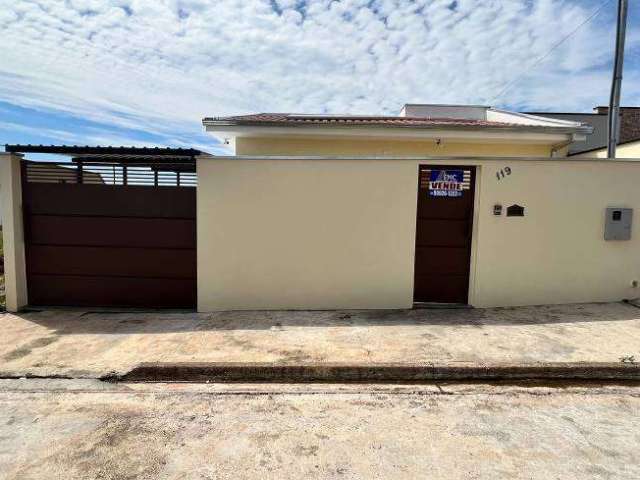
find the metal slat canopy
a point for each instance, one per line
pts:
(157, 158)
(122, 153)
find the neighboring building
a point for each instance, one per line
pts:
(630, 149)
(445, 204)
(596, 144)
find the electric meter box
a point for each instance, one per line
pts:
(617, 223)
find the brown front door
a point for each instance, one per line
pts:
(443, 233)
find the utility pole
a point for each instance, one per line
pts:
(613, 133)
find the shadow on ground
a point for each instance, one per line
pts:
(70, 322)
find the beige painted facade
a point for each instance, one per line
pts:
(390, 147)
(625, 150)
(12, 232)
(339, 233)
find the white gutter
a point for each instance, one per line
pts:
(518, 135)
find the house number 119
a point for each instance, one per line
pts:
(503, 172)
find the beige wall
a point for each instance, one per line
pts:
(373, 147)
(556, 253)
(340, 233)
(15, 276)
(626, 150)
(305, 234)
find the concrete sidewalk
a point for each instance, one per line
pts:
(83, 344)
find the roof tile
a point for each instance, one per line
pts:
(292, 119)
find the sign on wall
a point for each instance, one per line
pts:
(446, 183)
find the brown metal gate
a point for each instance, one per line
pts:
(106, 234)
(443, 233)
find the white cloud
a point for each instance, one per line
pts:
(63, 135)
(161, 65)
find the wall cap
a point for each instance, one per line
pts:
(440, 158)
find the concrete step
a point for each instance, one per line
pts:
(376, 373)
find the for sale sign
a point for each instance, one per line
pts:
(446, 183)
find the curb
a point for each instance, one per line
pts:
(375, 373)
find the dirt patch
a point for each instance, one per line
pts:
(17, 353)
(29, 347)
(310, 451)
(121, 448)
(42, 342)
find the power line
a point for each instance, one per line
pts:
(540, 59)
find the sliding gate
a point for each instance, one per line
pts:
(109, 234)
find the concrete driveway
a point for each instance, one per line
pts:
(85, 344)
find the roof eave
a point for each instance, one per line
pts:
(583, 130)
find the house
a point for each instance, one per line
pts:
(326, 211)
(459, 204)
(596, 144)
(449, 130)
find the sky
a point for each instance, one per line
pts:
(145, 72)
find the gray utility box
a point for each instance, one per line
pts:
(617, 223)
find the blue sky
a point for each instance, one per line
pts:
(144, 72)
